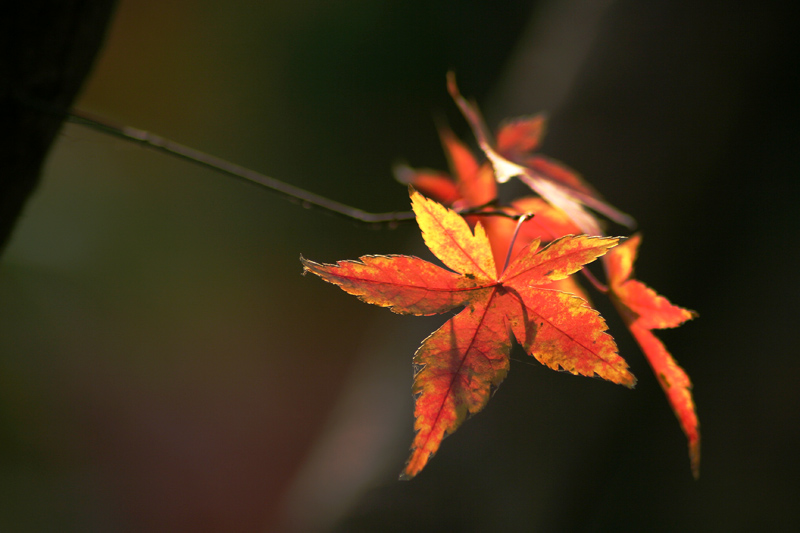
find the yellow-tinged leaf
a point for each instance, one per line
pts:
(563, 333)
(406, 284)
(462, 362)
(557, 260)
(448, 236)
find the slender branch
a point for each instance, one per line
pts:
(305, 198)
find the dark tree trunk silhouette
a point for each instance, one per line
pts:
(48, 50)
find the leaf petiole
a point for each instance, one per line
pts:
(522, 218)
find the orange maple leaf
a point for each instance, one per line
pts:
(643, 310)
(559, 211)
(461, 363)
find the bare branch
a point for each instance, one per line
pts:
(295, 194)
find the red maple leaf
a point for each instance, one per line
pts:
(643, 310)
(513, 156)
(461, 363)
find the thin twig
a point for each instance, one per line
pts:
(305, 198)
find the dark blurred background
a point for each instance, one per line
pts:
(164, 366)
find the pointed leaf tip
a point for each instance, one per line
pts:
(448, 236)
(672, 378)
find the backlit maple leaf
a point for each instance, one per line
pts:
(643, 310)
(462, 362)
(558, 211)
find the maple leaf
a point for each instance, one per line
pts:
(473, 185)
(643, 310)
(560, 186)
(464, 361)
(560, 210)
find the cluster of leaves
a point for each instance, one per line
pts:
(508, 285)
